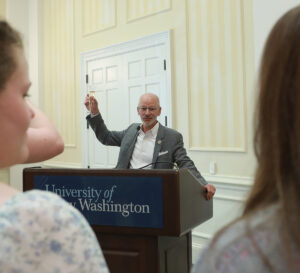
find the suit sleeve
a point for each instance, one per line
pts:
(105, 136)
(183, 161)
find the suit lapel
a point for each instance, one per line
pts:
(124, 160)
(132, 144)
(158, 142)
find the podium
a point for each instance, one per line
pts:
(142, 218)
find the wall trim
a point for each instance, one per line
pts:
(230, 188)
(230, 180)
(201, 235)
(219, 149)
(199, 241)
(59, 164)
(124, 47)
(229, 198)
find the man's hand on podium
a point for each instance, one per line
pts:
(209, 191)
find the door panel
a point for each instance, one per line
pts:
(118, 81)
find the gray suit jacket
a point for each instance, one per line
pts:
(168, 147)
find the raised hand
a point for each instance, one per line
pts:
(91, 104)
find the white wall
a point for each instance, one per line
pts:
(265, 14)
(22, 15)
(231, 192)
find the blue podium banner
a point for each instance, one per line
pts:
(110, 200)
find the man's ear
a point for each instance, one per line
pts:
(159, 111)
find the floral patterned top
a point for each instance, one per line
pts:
(254, 244)
(40, 232)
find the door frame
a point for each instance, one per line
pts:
(161, 38)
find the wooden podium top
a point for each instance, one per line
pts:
(148, 202)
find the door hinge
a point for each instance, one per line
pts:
(165, 65)
(166, 121)
(87, 78)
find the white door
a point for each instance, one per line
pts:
(119, 75)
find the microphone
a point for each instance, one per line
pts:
(153, 163)
(173, 164)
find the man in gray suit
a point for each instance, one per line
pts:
(149, 145)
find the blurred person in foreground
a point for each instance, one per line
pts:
(266, 237)
(39, 232)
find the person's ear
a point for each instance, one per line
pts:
(159, 111)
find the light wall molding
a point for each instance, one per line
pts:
(229, 200)
(3, 10)
(199, 241)
(60, 164)
(219, 149)
(230, 188)
(216, 31)
(98, 15)
(138, 9)
(230, 180)
(120, 48)
(59, 67)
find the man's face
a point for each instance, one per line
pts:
(148, 110)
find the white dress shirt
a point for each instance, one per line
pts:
(144, 147)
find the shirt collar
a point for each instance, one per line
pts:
(152, 131)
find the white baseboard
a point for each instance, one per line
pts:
(231, 192)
